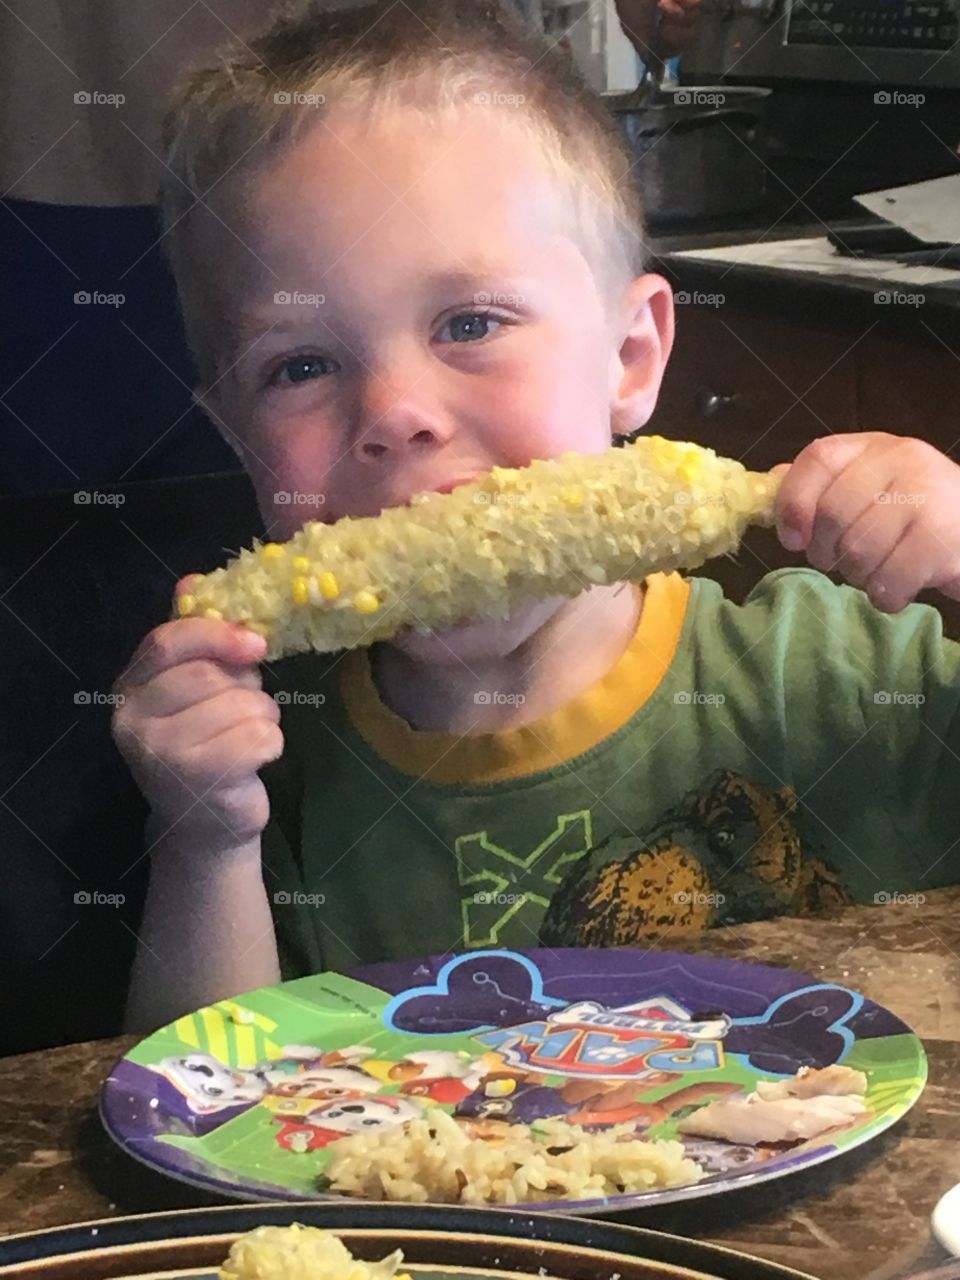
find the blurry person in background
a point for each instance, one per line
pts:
(95, 374)
(678, 20)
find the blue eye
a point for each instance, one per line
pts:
(304, 369)
(469, 326)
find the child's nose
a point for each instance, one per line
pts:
(398, 413)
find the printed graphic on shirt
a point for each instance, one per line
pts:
(731, 850)
(502, 882)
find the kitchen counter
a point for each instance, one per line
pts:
(845, 297)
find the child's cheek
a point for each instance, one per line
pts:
(554, 403)
(289, 469)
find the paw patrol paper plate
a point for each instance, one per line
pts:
(250, 1096)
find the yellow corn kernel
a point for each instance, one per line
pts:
(329, 586)
(212, 613)
(572, 497)
(272, 551)
(691, 466)
(300, 590)
(301, 564)
(186, 605)
(366, 602)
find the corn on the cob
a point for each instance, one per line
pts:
(553, 528)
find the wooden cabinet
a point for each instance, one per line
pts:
(759, 385)
(754, 387)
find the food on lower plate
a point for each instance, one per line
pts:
(302, 1253)
(490, 547)
(440, 1160)
(792, 1110)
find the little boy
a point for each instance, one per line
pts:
(414, 254)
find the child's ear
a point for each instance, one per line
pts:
(212, 406)
(645, 339)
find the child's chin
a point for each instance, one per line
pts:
(479, 640)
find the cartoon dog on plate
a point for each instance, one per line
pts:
(334, 1120)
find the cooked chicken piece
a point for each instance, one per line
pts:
(751, 1120)
(816, 1082)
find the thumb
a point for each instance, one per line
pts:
(185, 585)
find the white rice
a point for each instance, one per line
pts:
(439, 1160)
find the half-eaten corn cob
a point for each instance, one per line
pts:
(553, 528)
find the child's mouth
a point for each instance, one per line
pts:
(445, 486)
(448, 486)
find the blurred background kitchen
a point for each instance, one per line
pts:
(754, 126)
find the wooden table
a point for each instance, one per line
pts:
(863, 1216)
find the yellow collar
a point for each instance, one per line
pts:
(572, 729)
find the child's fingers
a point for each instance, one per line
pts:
(188, 638)
(244, 747)
(855, 498)
(190, 684)
(810, 475)
(905, 571)
(864, 545)
(201, 723)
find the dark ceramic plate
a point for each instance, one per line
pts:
(438, 1244)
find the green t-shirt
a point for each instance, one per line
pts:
(777, 757)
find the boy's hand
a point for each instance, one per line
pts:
(195, 726)
(882, 510)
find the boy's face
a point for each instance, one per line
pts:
(459, 329)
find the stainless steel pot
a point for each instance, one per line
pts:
(696, 150)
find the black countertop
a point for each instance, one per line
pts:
(830, 298)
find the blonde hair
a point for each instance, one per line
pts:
(431, 56)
